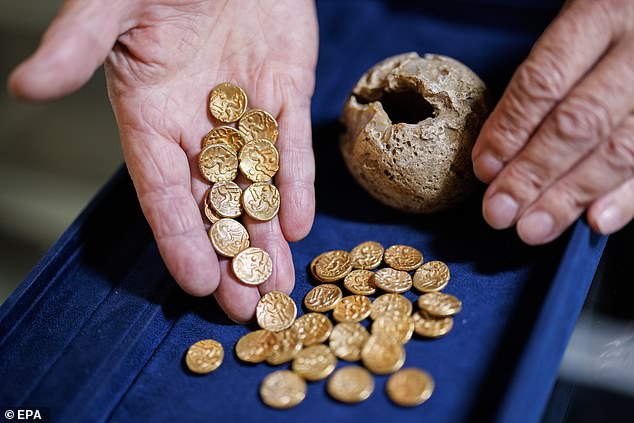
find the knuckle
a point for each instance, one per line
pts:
(166, 209)
(507, 134)
(540, 78)
(582, 119)
(524, 181)
(619, 151)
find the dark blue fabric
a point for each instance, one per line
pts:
(98, 330)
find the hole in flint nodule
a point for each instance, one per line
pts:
(403, 106)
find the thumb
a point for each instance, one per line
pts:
(74, 46)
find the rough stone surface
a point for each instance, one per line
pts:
(422, 166)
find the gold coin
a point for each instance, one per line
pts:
(210, 213)
(398, 327)
(332, 265)
(351, 384)
(430, 326)
(225, 135)
(360, 282)
(257, 124)
(256, 346)
(403, 257)
(431, 277)
(259, 160)
(382, 355)
(204, 356)
(225, 199)
(228, 237)
(286, 347)
(252, 266)
(439, 304)
(392, 280)
(314, 363)
(347, 340)
(323, 298)
(367, 255)
(410, 387)
(227, 102)
(261, 201)
(313, 328)
(275, 311)
(282, 389)
(352, 308)
(218, 163)
(390, 303)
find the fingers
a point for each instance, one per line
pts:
(160, 171)
(296, 177)
(551, 69)
(268, 236)
(614, 210)
(608, 167)
(74, 46)
(584, 119)
(236, 299)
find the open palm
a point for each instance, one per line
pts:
(167, 55)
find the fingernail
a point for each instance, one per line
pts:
(536, 228)
(500, 211)
(609, 220)
(486, 167)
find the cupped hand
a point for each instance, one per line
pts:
(162, 57)
(561, 139)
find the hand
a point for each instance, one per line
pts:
(162, 58)
(561, 139)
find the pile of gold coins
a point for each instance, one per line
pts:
(283, 338)
(249, 148)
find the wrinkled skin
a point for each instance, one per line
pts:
(167, 55)
(559, 142)
(561, 139)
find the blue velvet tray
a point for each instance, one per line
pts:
(98, 329)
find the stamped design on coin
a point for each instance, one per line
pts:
(382, 355)
(313, 328)
(431, 277)
(287, 345)
(439, 304)
(225, 199)
(252, 266)
(410, 387)
(228, 237)
(367, 255)
(218, 163)
(352, 308)
(403, 257)
(392, 280)
(259, 160)
(257, 124)
(224, 135)
(314, 363)
(398, 327)
(430, 326)
(261, 201)
(332, 265)
(347, 340)
(275, 311)
(323, 298)
(227, 102)
(390, 303)
(351, 384)
(211, 215)
(204, 356)
(360, 282)
(256, 346)
(282, 389)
